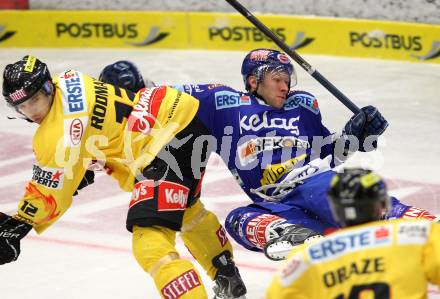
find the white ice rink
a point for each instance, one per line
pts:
(87, 253)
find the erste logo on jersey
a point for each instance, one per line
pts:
(305, 100)
(228, 99)
(74, 129)
(248, 151)
(52, 178)
(143, 116)
(143, 190)
(172, 196)
(72, 87)
(350, 241)
(255, 123)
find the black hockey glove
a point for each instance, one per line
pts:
(88, 179)
(368, 122)
(11, 232)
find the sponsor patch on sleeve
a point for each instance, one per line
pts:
(52, 178)
(143, 116)
(304, 100)
(143, 190)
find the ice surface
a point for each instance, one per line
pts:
(87, 253)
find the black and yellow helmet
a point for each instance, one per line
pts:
(358, 196)
(22, 79)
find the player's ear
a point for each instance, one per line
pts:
(252, 81)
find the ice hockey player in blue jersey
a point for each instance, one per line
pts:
(273, 141)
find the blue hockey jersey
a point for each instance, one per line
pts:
(262, 145)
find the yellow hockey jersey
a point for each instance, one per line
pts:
(393, 259)
(92, 123)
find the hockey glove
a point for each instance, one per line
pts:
(368, 122)
(11, 232)
(88, 179)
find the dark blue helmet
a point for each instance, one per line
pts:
(123, 74)
(358, 196)
(24, 78)
(260, 61)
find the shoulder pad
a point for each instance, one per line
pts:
(302, 98)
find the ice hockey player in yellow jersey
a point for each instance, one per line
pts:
(366, 259)
(142, 140)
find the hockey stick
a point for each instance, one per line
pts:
(304, 64)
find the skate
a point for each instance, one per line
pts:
(228, 282)
(292, 235)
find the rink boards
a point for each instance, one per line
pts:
(218, 31)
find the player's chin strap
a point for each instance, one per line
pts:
(24, 118)
(293, 179)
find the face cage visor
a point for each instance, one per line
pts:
(288, 69)
(47, 89)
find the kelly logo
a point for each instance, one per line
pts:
(172, 196)
(143, 190)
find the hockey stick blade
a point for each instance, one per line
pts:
(295, 56)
